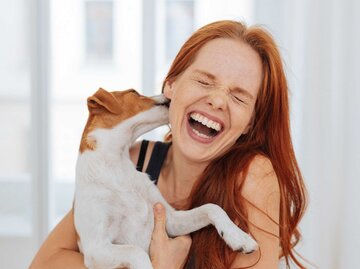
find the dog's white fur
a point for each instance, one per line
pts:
(113, 206)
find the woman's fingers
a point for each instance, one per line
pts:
(167, 252)
(159, 222)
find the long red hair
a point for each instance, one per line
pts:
(269, 136)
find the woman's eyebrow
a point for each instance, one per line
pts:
(237, 89)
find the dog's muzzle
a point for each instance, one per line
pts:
(161, 100)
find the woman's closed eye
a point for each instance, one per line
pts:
(238, 99)
(203, 82)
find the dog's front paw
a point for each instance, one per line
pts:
(237, 239)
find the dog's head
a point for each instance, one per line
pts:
(135, 113)
(112, 108)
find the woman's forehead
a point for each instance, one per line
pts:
(229, 61)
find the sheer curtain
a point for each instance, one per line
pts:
(320, 42)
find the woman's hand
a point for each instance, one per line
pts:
(165, 252)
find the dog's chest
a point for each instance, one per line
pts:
(131, 221)
(128, 215)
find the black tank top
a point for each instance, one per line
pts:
(156, 161)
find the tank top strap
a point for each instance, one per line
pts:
(157, 158)
(142, 154)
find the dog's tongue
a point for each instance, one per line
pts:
(202, 128)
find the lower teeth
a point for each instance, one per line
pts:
(200, 134)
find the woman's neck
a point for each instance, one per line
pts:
(178, 175)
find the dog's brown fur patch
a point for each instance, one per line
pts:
(107, 109)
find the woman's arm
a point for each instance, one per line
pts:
(261, 190)
(60, 249)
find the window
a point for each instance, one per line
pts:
(15, 142)
(99, 30)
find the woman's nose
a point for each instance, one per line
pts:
(218, 98)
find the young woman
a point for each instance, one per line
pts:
(230, 145)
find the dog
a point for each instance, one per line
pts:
(113, 205)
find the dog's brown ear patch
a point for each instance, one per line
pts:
(103, 100)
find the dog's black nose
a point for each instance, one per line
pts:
(167, 102)
(161, 100)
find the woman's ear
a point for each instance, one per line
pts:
(168, 89)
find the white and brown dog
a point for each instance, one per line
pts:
(113, 207)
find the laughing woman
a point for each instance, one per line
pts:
(229, 144)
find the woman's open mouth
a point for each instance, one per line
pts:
(202, 128)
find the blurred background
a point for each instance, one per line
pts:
(56, 53)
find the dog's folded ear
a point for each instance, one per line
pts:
(103, 100)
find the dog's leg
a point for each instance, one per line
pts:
(186, 222)
(112, 256)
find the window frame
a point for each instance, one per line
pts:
(40, 115)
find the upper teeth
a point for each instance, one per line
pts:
(206, 121)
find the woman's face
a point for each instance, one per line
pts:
(212, 101)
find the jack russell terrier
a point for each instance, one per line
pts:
(113, 206)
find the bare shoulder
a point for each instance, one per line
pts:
(262, 202)
(262, 192)
(261, 181)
